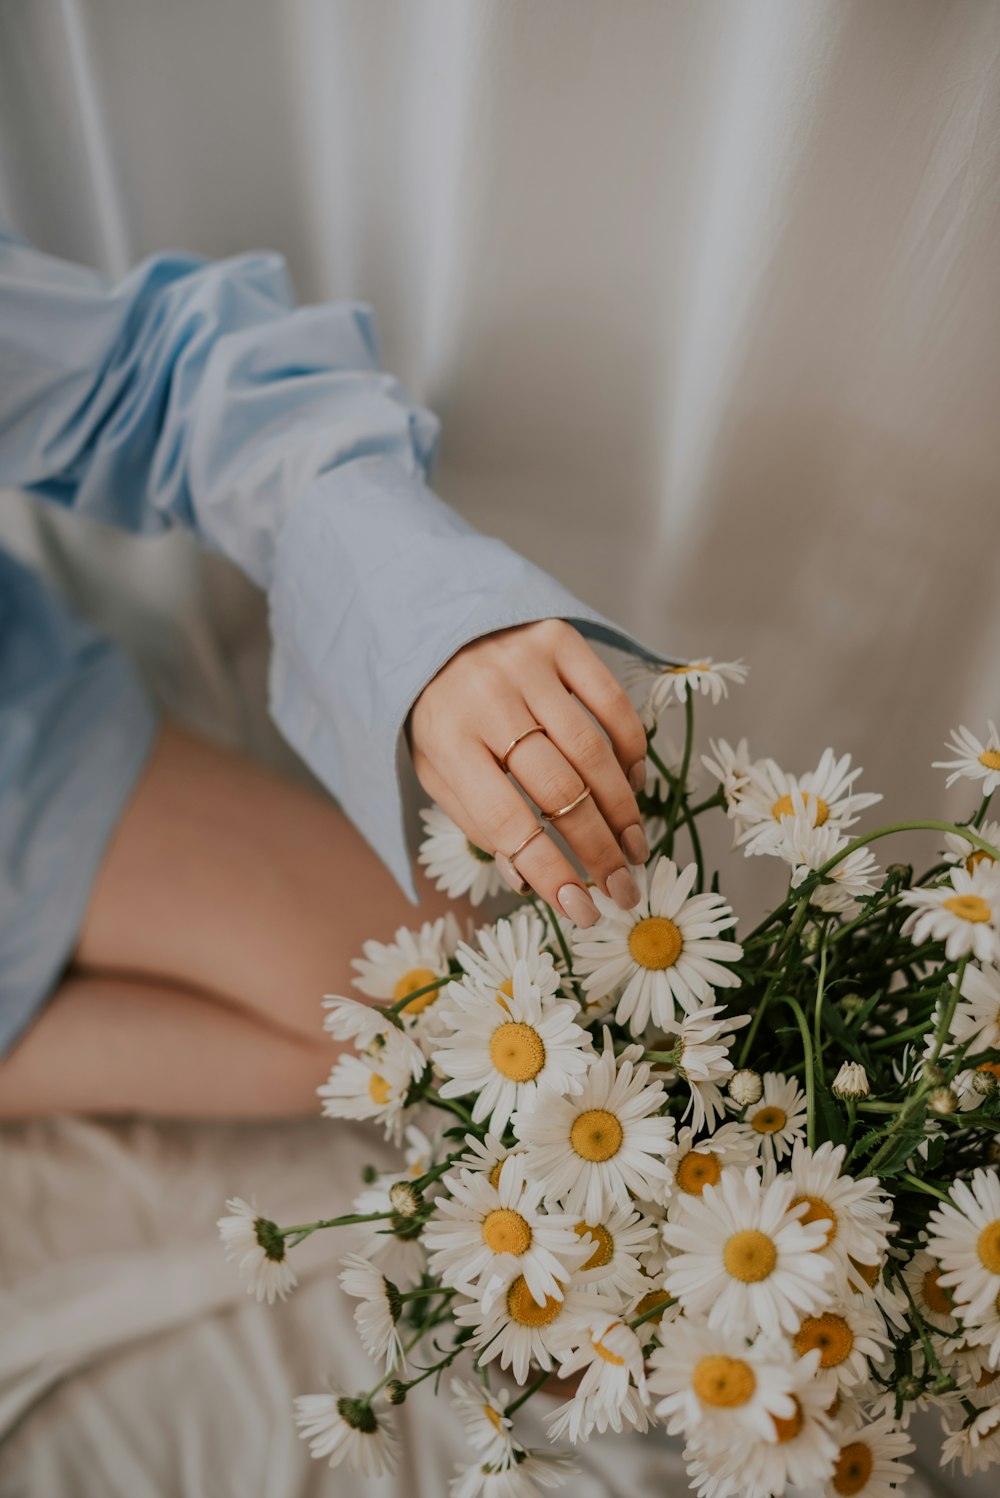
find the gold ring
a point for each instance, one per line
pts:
(535, 728)
(522, 845)
(550, 816)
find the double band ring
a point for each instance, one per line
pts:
(535, 832)
(535, 728)
(550, 816)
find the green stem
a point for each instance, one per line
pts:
(533, 1388)
(818, 1011)
(418, 993)
(948, 1013)
(557, 931)
(810, 1076)
(680, 789)
(923, 1186)
(305, 1228)
(451, 1106)
(793, 929)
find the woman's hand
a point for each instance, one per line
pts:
(486, 695)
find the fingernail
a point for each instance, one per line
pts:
(577, 904)
(634, 844)
(510, 876)
(637, 776)
(623, 889)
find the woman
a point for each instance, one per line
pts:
(171, 913)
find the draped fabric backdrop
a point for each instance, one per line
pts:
(706, 294)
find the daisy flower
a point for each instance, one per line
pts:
(612, 1389)
(347, 1430)
(519, 1330)
(534, 1470)
(502, 1053)
(730, 767)
(766, 800)
(362, 1087)
(391, 970)
(703, 1042)
(868, 1464)
(964, 1235)
(799, 1454)
(256, 1245)
(696, 1165)
(368, 1028)
(975, 1445)
(379, 1311)
(960, 850)
(454, 862)
(590, 1150)
(483, 1236)
(974, 761)
(668, 684)
(923, 1280)
(487, 1154)
(779, 1118)
(743, 1257)
(489, 966)
(808, 847)
(618, 1246)
(964, 914)
(664, 953)
(710, 1376)
(845, 1336)
(853, 1212)
(487, 1426)
(977, 1017)
(851, 1081)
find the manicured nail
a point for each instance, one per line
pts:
(577, 904)
(634, 844)
(637, 776)
(623, 889)
(510, 876)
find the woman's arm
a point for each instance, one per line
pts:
(194, 393)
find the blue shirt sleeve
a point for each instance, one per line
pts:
(195, 393)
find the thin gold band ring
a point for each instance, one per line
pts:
(535, 831)
(550, 816)
(535, 728)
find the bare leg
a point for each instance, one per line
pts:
(224, 878)
(114, 1046)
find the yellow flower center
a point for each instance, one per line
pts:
(868, 1272)
(935, 1296)
(698, 1169)
(604, 1252)
(787, 1430)
(749, 1256)
(417, 977)
(517, 1052)
(987, 1377)
(831, 1334)
(505, 992)
(506, 1232)
(596, 1134)
(605, 1353)
(651, 1300)
(853, 1469)
(655, 942)
(492, 1416)
(818, 1211)
(769, 1120)
(724, 1383)
(379, 1089)
(988, 1246)
(684, 670)
(990, 759)
(525, 1310)
(785, 807)
(971, 908)
(977, 856)
(494, 1175)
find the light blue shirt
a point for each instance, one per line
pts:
(195, 393)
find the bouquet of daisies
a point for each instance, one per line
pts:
(746, 1189)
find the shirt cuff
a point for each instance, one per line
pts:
(376, 584)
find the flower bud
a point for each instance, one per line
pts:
(745, 1087)
(405, 1199)
(983, 1081)
(395, 1392)
(909, 1387)
(942, 1100)
(852, 1003)
(933, 1074)
(369, 1175)
(851, 1081)
(812, 939)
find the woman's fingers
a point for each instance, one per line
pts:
(599, 690)
(553, 782)
(578, 740)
